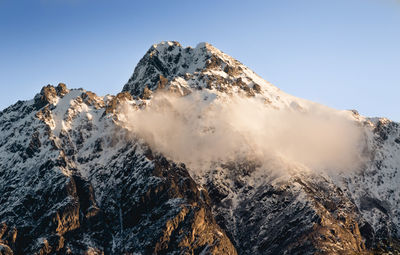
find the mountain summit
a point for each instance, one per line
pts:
(182, 70)
(170, 61)
(196, 155)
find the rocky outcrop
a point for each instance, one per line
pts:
(168, 64)
(115, 101)
(305, 214)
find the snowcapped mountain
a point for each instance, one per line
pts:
(196, 155)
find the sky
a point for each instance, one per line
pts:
(342, 53)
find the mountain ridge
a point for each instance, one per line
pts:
(107, 191)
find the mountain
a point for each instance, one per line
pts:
(85, 174)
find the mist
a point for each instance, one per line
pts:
(200, 129)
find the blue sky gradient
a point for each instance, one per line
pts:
(341, 53)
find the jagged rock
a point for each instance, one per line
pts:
(91, 98)
(47, 95)
(61, 89)
(162, 82)
(146, 93)
(257, 88)
(34, 145)
(115, 101)
(5, 250)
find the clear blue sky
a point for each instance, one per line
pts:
(342, 53)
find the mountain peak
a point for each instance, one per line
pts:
(166, 59)
(170, 65)
(165, 44)
(170, 45)
(49, 94)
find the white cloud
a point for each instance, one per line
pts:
(198, 132)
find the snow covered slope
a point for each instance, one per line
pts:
(74, 182)
(78, 177)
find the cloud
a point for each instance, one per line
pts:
(200, 130)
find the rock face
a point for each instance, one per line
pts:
(72, 184)
(75, 180)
